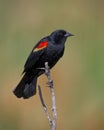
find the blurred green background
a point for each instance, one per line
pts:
(78, 76)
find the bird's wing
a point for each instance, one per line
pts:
(34, 56)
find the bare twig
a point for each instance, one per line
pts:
(54, 112)
(50, 83)
(44, 106)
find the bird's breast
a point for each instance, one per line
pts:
(54, 53)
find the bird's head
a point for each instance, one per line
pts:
(60, 36)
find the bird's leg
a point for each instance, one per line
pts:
(41, 68)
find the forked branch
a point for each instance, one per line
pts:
(52, 122)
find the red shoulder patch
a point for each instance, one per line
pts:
(41, 45)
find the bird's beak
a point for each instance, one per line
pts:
(68, 34)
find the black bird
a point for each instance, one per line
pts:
(49, 49)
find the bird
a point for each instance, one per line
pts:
(49, 49)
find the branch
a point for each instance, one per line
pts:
(44, 106)
(52, 123)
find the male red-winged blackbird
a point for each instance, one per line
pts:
(49, 49)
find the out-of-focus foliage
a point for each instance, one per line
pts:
(78, 77)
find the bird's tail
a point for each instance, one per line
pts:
(26, 88)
